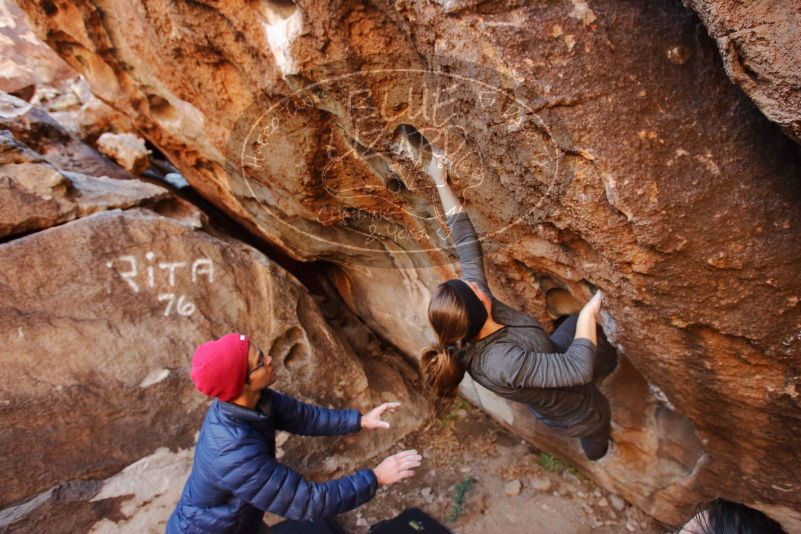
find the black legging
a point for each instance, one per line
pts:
(595, 444)
(564, 334)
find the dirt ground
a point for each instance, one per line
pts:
(504, 485)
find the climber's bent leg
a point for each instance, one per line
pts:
(605, 358)
(595, 444)
(564, 334)
(605, 355)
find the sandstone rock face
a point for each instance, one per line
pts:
(32, 71)
(84, 115)
(34, 194)
(46, 140)
(594, 143)
(103, 300)
(761, 50)
(25, 61)
(126, 149)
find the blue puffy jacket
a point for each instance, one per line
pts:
(235, 476)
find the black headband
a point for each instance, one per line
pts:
(476, 312)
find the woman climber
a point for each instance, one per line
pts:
(507, 351)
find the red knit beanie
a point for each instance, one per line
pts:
(219, 367)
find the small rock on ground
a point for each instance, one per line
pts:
(541, 484)
(617, 502)
(514, 488)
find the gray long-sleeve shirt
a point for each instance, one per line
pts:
(521, 363)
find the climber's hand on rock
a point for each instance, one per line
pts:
(437, 167)
(372, 419)
(397, 467)
(593, 307)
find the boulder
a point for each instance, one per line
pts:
(35, 194)
(761, 50)
(25, 61)
(34, 72)
(127, 149)
(36, 132)
(596, 145)
(84, 115)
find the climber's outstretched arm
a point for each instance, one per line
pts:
(439, 173)
(465, 239)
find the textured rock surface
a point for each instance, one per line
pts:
(32, 71)
(100, 313)
(761, 49)
(34, 129)
(624, 159)
(25, 61)
(83, 114)
(126, 149)
(34, 194)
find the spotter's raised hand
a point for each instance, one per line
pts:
(372, 419)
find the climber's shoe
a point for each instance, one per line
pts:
(594, 449)
(595, 446)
